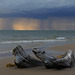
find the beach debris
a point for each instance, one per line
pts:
(10, 65)
(60, 62)
(23, 60)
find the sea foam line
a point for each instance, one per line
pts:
(30, 41)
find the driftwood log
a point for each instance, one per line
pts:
(23, 60)
(60, 62)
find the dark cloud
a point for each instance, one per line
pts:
(37, 9)
(44, 13)
(40, 14)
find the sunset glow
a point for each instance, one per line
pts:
(37, 24)
(26, 24)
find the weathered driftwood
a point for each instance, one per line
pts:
(23, 60)
(62, 61)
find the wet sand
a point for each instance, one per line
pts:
(63, 47)
(36, 70)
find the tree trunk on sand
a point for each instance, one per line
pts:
(23, 60)
(62, 61)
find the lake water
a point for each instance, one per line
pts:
(11, 38)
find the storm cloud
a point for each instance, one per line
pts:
(37, 14)
(37, 8)
(37, 24)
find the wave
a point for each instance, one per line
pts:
(54, 39)
(60, 38)
(34, 41)
(3, 52)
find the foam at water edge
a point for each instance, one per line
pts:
(60, 38)
(30, 41)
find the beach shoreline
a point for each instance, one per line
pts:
(64, 47)
(41, 70)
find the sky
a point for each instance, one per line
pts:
(37, 14)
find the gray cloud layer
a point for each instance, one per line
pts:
(41, 8)
(37, 14)
(33, 4)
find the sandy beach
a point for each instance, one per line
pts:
(41, 70)
(64, 47)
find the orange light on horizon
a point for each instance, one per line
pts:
(37, 24)
(26, 24)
